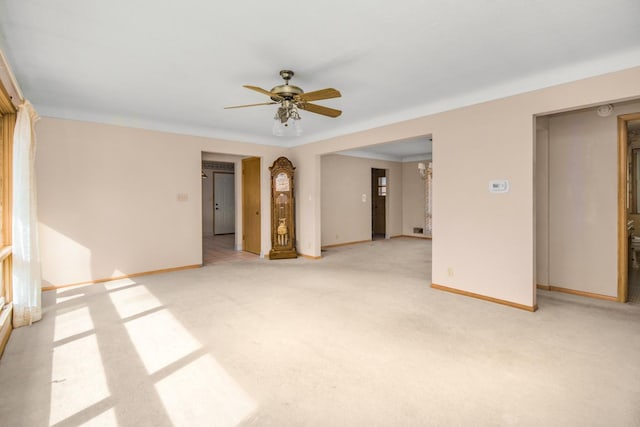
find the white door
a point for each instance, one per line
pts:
(224, 201)
(207, 203)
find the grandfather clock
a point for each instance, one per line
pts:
(283, 224)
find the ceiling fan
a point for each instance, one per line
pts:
(291, 98)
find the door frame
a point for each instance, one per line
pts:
(623, 177)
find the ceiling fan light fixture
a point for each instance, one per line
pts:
(289, 127)
(287, 120)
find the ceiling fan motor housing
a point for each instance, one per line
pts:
(286, 91)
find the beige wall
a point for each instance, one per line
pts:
(102, 202)
(493, 255)
(413, 199)
(345, 217)
(582, 201)
(107, 198)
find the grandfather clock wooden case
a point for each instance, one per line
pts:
(283, 224)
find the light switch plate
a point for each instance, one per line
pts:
(499, 186)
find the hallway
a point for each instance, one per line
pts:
(221, 249)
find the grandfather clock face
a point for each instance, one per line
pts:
(282, 182)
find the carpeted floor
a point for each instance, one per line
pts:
(355, 339)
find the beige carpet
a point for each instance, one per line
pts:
(355, 339)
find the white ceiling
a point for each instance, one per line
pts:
(173, 66)
(408, 150)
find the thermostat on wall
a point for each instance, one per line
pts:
(499, 186)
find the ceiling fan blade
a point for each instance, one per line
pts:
(250, 105)
(263, 91)
(317, 95)
(319, 109)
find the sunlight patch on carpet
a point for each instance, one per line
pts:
(77, 378)
(160, 340)
(72, 323)
(133, 300)
(212, 395)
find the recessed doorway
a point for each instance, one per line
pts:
(221, 223)
(378, 203)
(629, 208)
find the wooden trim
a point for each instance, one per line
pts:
(582, 293)
(484, 297)
(544, 287)
(357, 242)
(337, 245)
(413, 237)
(6, 139)
(5, 326)
(623, 243)
(5, 252)
(309, 256)
(126, 276)
(7, 272)
(6, 106)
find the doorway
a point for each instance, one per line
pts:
(218, 208)
(629, 208)
(378, 203)
(251, 217)
(584, 204)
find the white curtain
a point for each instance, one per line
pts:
(27, 287)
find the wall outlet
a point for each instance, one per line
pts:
(450, 272)
(182, 197)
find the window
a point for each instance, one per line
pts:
(7, 124)
(382, 186)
